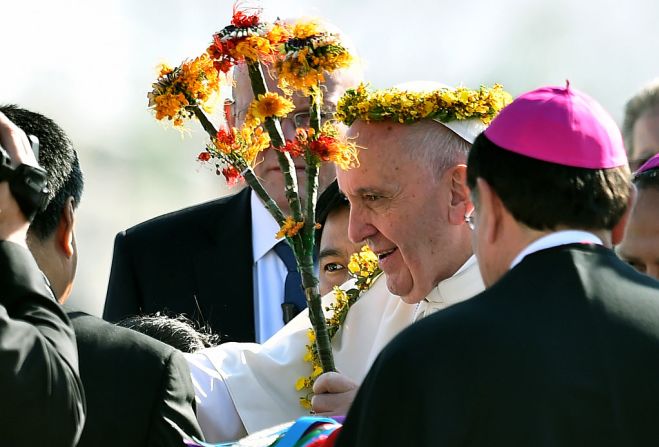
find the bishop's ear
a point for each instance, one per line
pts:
(618, 231)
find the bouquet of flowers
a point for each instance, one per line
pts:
(301, 54)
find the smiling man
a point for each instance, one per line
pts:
(408, 199)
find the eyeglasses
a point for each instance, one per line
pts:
(300, 119)
(303, 119)
(469, 220)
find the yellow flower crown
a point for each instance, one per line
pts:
(407, 107)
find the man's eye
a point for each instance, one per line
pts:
(333, 267)
(371, 197)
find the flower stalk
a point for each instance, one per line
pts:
(246, 171)
(302, 243)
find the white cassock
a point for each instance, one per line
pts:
(245, 387)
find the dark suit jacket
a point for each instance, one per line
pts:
(562, 351)
(41, 398)
(133, 384)
(197, 261)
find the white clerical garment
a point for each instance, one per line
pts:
(245, 387)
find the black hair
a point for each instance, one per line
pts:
(331, 199)
(60, 160)
(647, 179)
(176, 331)
(545, 196)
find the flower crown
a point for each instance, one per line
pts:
(406, 107)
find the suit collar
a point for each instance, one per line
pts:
(556, 239)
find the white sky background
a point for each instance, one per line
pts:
(89, 64)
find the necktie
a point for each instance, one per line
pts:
(294, 299)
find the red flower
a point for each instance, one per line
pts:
(223, 65)
(226, 138)
(293, 147)
(242, 20)
(204, 156)
(324, 147)
(232, 175)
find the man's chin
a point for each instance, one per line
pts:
(408, 294)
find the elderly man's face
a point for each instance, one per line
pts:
(267, 165)
(640, 246)
(401, 210)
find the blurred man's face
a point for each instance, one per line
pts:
(640, 246)
(399, 208)
(335, 250)
(645, 139)
(267, 164)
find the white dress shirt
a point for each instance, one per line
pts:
(551, 240)
(268, 272)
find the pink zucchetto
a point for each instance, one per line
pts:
(652, 163)
(559, 125)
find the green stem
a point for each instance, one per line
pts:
(205, 122)
(309, 282)
(258, 188)
(273, 127)
(247, 171)
(303, 242)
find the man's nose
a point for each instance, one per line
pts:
(288, 128)
(359, 226)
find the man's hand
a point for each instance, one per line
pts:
(13, 223)
(333, 394)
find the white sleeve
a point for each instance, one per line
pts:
(216, 412)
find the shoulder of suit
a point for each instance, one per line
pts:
(104, 336)
(188, 218)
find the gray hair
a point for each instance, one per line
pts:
(440, 148)
(643, 101)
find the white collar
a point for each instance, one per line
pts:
(264, 228)
(554, 240)
(458, 287)
(464, 284)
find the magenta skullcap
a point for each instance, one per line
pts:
(652, 163)
(559, 125)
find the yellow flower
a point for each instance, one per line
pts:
(304, 30)
(407, 107)
(317, 370)
(290, 228)
(315, 52)
(194, 83)
(278, 33)
(305, 403)
(269, 105)
(311, 335)
(301, 383)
